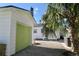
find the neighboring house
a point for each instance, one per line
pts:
(16, 28)
(38, 33)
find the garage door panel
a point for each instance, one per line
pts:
(23, 36)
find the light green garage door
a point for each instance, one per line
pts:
(23, 36)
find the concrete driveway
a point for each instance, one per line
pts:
(49, 44)
(43, 48)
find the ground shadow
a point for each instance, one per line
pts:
(40, 51)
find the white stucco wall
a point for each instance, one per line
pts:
(8, 19)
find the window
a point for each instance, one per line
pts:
(35, 30)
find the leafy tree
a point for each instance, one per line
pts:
(54, 19)
(71, 12)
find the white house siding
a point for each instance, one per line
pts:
(22, 17)
(8, 19)
(39, 34)
(5, 15)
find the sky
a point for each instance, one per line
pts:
(39, 8)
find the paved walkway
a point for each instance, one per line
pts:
(43, 48)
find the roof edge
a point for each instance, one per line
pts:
(18, 8)
(14, 7)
